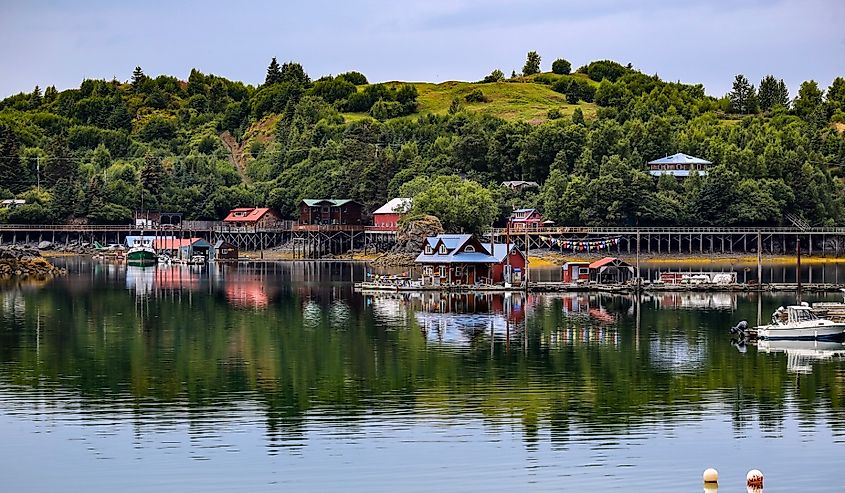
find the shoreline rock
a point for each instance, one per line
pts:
(19, 262)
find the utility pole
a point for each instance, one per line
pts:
(798, 266)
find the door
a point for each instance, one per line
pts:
(471, 274)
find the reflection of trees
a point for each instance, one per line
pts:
(327, 353)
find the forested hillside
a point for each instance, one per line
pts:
(207, 144)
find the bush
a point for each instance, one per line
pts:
(158, 128)
(604, 69)
(547, 79)
(554, 114)
(384, 110)
(476, 96)
(354, 77)
(495, 76)
(29, 214)
(561, 66)
(455, 107)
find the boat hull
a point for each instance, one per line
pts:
(819, 332)
(141, 257)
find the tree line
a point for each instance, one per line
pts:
(97, 152)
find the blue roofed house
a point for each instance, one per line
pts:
(678, 165)
(463, 259)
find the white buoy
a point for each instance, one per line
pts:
(711, 475)
(754, 478)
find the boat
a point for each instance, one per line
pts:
(164, 259)
(800, 322)
(141, 255)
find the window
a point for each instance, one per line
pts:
(442, 271)
(429, 250)
(469, 249)
(428, 271)
(443, 250)
(583, 270)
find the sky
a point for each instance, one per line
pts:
(62, 42)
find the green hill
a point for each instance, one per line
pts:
(521, 100)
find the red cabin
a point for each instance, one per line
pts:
(325, 212)
(253, 217)
(576, 272)
(386, 217)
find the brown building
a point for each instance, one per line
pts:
(225, 251)
(334, 212)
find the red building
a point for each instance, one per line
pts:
(331, 212)
(387, 217)
(464, 259)
(611, 270)
(525, 220)
(574, 272)
(253, 217)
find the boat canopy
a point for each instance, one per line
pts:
(800, 314)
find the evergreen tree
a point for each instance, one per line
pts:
(11, 170)
(35, 98)
(768, 88)
(809, 100)
(743, 97)
(50, 94)
(294, 73)
(152, 180)
(138, 79)
(578, 117)
(781, 95)
(274, 73)
(532, 64)
(836, 95)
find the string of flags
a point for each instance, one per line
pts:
(583, 245)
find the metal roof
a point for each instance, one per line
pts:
(331, 202)
(675, 172)
(395, 206)
(680, 158)
(455, 242)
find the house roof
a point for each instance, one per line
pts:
(680, 158)
(253, 214)
(220, 243)
(606, 261)
(329, 202)
(675, 172)
(454, 243)
(177, 243)
(395, 206)
(565, 265)
(520, 183)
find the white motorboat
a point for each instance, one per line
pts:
(800, 322)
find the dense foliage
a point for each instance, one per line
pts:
(208, 144)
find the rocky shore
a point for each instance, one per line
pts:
(410, 239)
(24, 262)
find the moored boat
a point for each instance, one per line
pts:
(141, 255)
(800, 322)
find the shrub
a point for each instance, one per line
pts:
(495, 76)
(384, 110)
(554, 114)
(476, 96)
(561, 66)
(354, 77)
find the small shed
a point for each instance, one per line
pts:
(224, 250)
(574, 272)
(611, 270)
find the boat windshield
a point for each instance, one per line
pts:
(801, 315)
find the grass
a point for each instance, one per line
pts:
(512, 101)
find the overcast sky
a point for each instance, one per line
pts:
(60, 42)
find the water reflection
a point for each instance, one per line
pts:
(288, 353)
(802, 355)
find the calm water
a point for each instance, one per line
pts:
(277, 377)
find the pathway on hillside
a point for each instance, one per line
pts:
(236, 154)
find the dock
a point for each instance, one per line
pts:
(561, 287)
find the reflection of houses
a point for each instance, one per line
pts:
(678, 165)
(611, 270)
(697, 300)
(576, 272)
(525, 220)
(387, 216)
(463, 259)
(520, 185)
(330, 212)
(252, 217)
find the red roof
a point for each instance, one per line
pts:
(603, 262)
(173, 243)
(246, 214)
